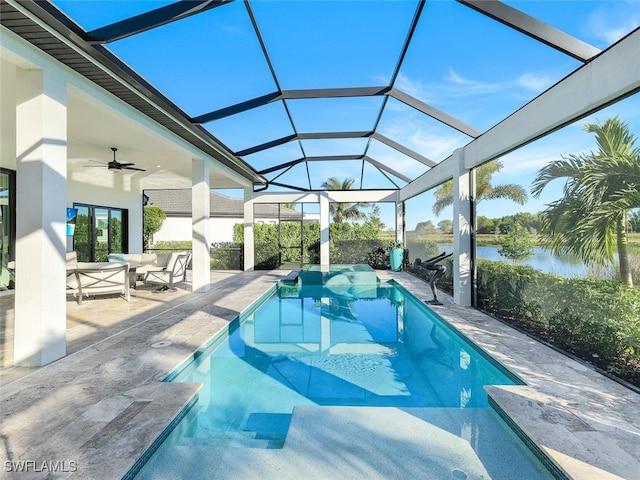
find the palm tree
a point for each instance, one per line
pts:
(341, 212)
(590, 220)
(484, 189)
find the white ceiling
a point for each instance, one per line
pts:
(93, 128)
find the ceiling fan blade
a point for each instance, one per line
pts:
(125, 164)
(133, 168)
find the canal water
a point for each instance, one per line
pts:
(543, 260)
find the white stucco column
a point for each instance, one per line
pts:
(324, 229)
(249, 245)
(7, 112)
(41, 194)
(399, 219)
(462, 226)
(201, 212)
(136, 219)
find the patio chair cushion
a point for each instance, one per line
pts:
(173, 258)
(175, 272)
(144, 262)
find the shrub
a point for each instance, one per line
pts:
(596, 320)
(152, 219)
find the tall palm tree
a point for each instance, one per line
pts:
(590, 220)
(484, 189)
(341, 212)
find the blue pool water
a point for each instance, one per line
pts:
(369, 346)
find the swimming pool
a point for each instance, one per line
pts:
(369, 346)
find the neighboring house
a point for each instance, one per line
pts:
(225, 213)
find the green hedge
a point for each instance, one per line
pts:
(596, 320)
(350, 243)
(223, 255)
(359, 251)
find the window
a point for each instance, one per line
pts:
(99, 231)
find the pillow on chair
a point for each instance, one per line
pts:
(116, 257)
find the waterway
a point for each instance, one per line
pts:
(543, 260)
(565, 265)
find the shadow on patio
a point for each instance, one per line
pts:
(98, 318)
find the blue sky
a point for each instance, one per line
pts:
(459, 61)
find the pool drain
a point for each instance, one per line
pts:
(459, 474)
(164, 343)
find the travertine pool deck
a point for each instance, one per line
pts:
(97, 410)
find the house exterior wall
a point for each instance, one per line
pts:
(176, 229)
(179, 229)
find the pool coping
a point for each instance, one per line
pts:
(103, 407)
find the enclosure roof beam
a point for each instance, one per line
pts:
(605, 80)
(265, 146)
(387, 169)
(434, 113)
(402, 149)
(313, 93)
(534, 28)
(151, 19)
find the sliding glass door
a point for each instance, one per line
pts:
(7, 224)
(99, 231)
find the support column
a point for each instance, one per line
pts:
(249, 245)
(41, 198)
(399, 219)
(462, 229)
(7, 112)
(324, 229)
(201, 213)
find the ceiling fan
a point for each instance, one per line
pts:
(116, 165)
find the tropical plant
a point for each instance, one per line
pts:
(634, 221)
(341, 212)
(590, 220)
(445, 226)
(484, 189)
(152, 218)
(425, 227)
(518, 244)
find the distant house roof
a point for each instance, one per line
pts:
(177, 203)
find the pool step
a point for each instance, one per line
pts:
(292, 277)
(233, 439)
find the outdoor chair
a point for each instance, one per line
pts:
(11, 268)
(174, 272)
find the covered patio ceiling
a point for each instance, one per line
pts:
(377, 91)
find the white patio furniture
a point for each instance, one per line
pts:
(175, 271)
(96, 278)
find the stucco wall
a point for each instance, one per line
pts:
(179, 228)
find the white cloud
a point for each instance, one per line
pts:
(529, 80)
(233, 30)
(614, 20)
(534, 82)
(469, 86)
(438, 146)
(414, 88)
